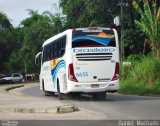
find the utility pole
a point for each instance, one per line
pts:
(122, 34)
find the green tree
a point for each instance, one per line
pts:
(133, 38)
(36, 29)
(57, 21)
(14, 63)
(150, 23)
(90, 13)
(34, 32)
(100, 13)
(7, 40)
(73, 11)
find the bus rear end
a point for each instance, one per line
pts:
(95, 61)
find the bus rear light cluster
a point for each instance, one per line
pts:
(116, 73)
(71, 75)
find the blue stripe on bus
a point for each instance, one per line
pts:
(103, 41)
(54, 71)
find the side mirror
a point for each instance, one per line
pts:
(38, 58)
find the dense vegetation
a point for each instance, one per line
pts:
(141, 35)
(142, 77)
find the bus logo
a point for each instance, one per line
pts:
(94, 50)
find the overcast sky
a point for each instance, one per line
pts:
(16, 9)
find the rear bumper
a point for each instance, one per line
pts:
(86, 87)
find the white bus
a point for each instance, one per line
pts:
(80, 60)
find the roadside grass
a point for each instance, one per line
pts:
(142, 77)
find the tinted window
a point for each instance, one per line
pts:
(16, 75)
(93, 39)
(85, 43)
(44, 54)
(8, 75)
(55, 49)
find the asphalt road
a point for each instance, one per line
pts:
(115, 106)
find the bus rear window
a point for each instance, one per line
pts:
(91, 43)
(105, 38)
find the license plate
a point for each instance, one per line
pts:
(94, 85)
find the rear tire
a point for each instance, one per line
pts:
(99, 95)
(10, 82)
(2, 81)
(76, 94)
(46, 93)
(58, 91)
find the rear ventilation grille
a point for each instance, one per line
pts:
(94, 56)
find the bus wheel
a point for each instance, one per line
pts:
(10, 81)
(76, 94)
(99, 95)
(46, 93)
(58, 91)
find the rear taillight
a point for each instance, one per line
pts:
(116, 73)
(71, 75)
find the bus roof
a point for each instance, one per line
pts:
(89, 29)
(56, 37)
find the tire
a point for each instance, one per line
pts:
(76, 94)
(99, 95)
(20, 80)
(43, 85)
(58, 91)
(2, 82)
(10, 82)
(46, 93)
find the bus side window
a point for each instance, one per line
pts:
(63, 45)
(51, 51)
(58, 47)
(48, 52)
(44, 54)
(53, 54)
(64, 42)
(55, 49)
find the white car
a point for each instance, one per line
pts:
(12, 78)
